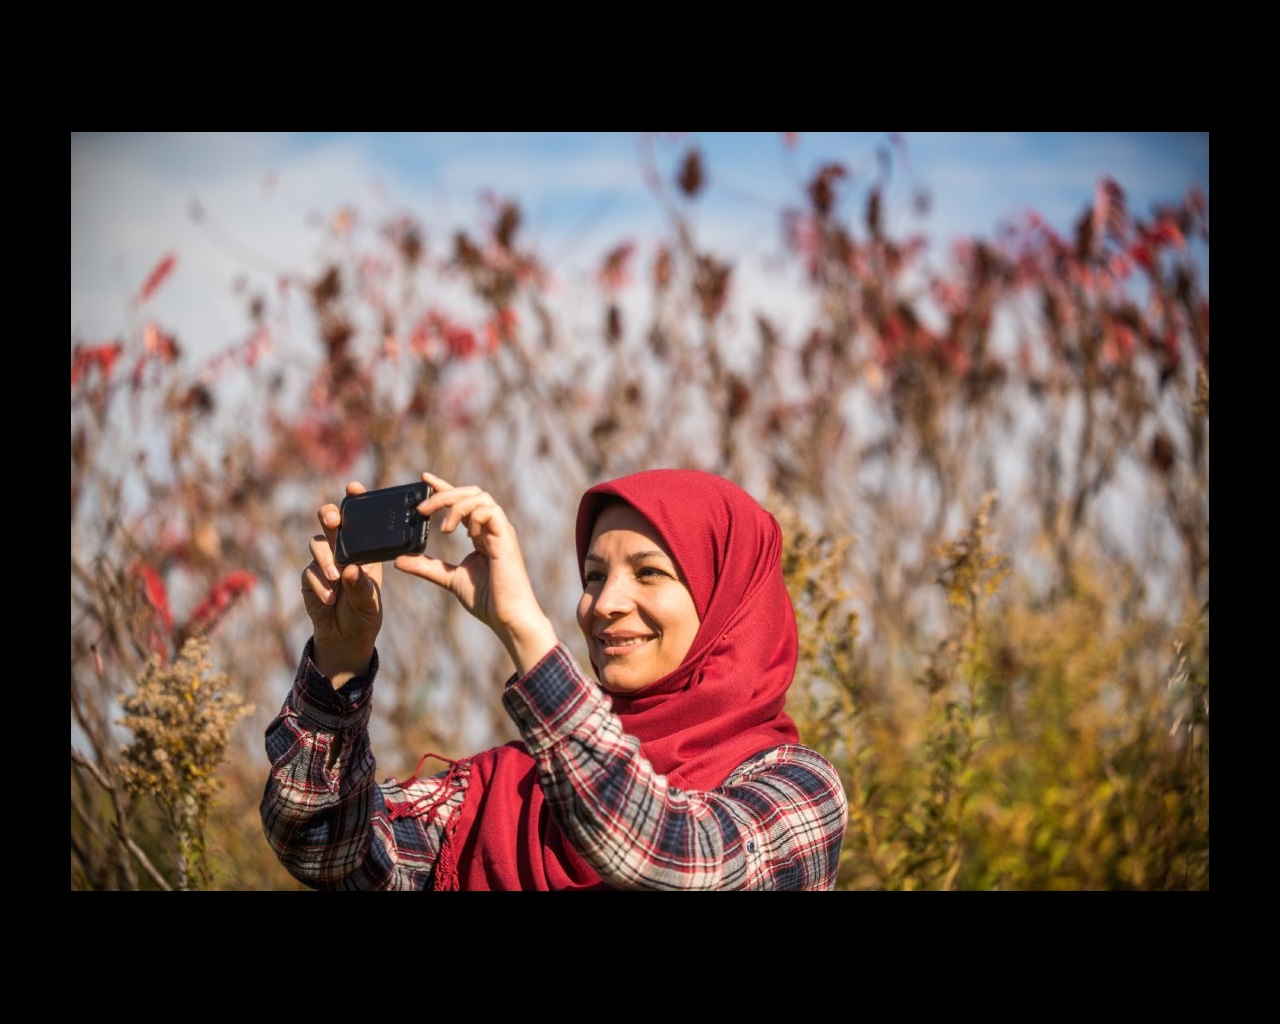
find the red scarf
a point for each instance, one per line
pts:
(725, 702)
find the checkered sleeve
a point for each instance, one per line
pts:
(777, 822)
(329, 821)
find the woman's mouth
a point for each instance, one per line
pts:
(618, 646)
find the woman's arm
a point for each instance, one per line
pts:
(331, 824)
(776, 823)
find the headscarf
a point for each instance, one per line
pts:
(722, 704)
(726, 699)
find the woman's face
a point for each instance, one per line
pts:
(636, 614)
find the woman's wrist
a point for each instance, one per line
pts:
(340, 667)
(530, 643)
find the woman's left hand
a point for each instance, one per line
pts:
(492, 582)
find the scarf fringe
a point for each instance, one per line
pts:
(424, 805)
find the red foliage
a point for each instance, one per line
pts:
(249, 353)
(102, 357)
(459, 341)
(155, 593)
(436, 336)
(501, 327)
(1110, 217)
(162, 270)
(156, 347)
(615, 273)
(222, 595)
(156, 596)
(1153, 238)
(327, 441)
(258, 344)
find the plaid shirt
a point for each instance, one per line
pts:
(777, 822)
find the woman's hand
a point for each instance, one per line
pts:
(345, 604)
(491, 582)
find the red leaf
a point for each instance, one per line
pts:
(1110, 217)
(221, 597)
(100, 357)
(155, 593)
(162, 270)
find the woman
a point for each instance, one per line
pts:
(677, 767)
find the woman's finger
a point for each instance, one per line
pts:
(314, 578)
(438, 483)
(458, 503)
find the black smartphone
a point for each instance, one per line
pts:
(379, 525)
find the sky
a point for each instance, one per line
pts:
(265, 197)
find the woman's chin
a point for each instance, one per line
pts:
(615, 680)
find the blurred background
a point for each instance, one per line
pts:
(968, 371)
(242, 208)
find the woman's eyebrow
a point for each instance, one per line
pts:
(633, 558)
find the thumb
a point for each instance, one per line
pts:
(361, 588)
(427, 567)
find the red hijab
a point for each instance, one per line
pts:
(725, 702)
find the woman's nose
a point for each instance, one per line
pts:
(614, 598)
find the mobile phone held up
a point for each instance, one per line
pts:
(380, 525)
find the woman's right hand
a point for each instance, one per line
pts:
(345, 604)
(491, 582)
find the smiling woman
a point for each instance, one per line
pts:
(677, 767)
(636, 612)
